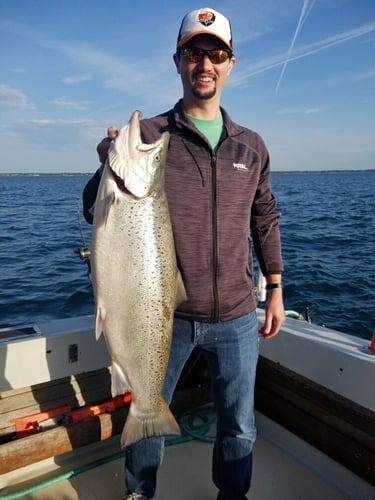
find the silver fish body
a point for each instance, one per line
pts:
(137, 285)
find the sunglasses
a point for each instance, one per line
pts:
(216, 56)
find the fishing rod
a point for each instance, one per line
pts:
(84, 251)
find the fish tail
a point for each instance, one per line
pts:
(158, 424)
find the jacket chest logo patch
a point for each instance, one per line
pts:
(240, 166)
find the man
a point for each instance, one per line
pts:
(219, 194)
(89, 193)
(103, 146)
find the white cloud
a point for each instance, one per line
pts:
(63, 102)
(11, 98)
(72, 80)
(312, 110)
(138, 76)
(57, 122)
(367, 75)
(300, 110)
(19, 71)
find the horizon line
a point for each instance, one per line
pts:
(31, 174)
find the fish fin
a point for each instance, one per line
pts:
(181, 292)
(159, 424)
(108, 206)
(119, 382)
(99, 320)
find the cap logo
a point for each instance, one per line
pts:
(206, 18)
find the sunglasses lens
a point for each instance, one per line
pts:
(193, 55)
(216, 56)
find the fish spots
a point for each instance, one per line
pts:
(167, 311)
(134, 277)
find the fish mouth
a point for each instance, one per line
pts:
(132, 164)
(121, 184)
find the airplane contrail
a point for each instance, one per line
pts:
(306, 9)
(253, 69)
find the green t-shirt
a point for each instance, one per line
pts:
(212, 129)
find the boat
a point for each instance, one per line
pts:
(59, 426)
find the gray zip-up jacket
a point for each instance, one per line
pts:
(217, 200)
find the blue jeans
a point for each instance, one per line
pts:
(231, 349)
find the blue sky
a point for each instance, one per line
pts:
(304, 77)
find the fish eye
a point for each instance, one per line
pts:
(157, 157)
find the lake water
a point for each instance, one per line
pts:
(328, 235)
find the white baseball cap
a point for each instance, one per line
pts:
(205, 21)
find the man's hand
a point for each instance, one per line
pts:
(275, 315)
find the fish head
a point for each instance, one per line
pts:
(140, 167)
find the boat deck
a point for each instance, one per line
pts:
(285, 468)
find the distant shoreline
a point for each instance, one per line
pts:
(75, 174)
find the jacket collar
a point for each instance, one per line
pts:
(182, 121)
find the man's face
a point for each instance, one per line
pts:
(203, 80)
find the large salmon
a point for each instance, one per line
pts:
(137, 285)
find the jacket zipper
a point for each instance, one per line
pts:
(214, 242)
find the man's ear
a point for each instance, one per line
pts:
(232, 63)
(176, 59)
